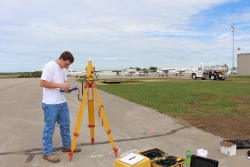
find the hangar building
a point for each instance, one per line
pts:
(243, 67)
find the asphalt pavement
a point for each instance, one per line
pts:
(21, 122)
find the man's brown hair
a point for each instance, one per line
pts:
(66, 55)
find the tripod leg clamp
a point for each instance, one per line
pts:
(108, 132)
(76, 134)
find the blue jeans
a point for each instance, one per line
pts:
(55, 113)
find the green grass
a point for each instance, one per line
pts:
(186, 98)
(239, 78)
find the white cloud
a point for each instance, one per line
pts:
(138, 33)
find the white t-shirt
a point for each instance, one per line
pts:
(52, 72)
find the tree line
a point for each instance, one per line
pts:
(36, 74)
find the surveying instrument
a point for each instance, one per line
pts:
(90, 85)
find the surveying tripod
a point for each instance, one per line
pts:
(86, 96)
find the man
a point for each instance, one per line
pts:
(54, 104)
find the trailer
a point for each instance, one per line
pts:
(212, 72)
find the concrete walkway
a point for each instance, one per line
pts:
(21, 122)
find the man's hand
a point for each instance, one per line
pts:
(65, 85)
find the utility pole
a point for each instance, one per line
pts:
(233, 48)
(118, 68)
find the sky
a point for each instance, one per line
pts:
(117, 35)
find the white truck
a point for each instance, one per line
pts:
(212, 72)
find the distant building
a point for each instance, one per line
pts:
(243, 68)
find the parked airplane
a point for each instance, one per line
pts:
(140, 73)
(79, 74)
(176, 71)
(129, 73)
(162, 72)
(75, 73)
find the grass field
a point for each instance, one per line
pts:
(218, 107)
(188, 98)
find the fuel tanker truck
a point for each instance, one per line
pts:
(212, 72)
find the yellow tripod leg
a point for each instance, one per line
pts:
(105, 122)
(78, 123)
(91, 117)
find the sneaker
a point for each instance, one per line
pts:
(69, 150)
(51, 158)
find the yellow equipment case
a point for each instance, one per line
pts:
(143, 163)
(159, 158)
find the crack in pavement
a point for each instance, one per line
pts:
(38, 151)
